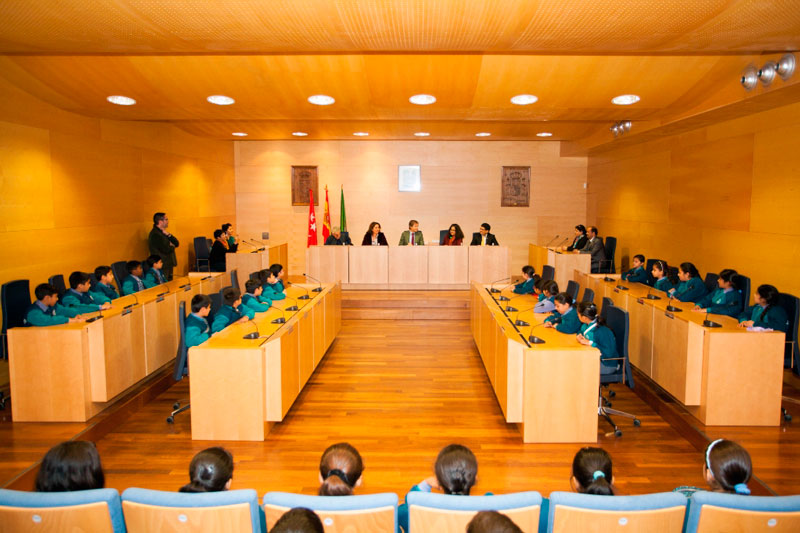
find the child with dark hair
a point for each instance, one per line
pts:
(564, 318)
(46, 311)
(340, 470)
(637, 274)
(727, 467)
(78, 296)
(492, 522)
(277, 269)
(154, 276)
(273, 288)
(547, 300)
(594, 333)
(726, 299)
(231, 310)
(133, 283)
(691, 288)
(526, 286)
(663, 281)
(103, 291)
(298, 520)
(197, 329)
(251, 298)
(70, 466)
(766, 313)
(210, 471)
(591, 472)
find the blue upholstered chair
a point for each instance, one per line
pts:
(588, 295)
(431, 512)
(98, 511)
(548, 272)
(713, 511)
(572, 289)
(231, 510)
(587, 513)
(370, 513)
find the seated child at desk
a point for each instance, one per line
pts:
(272, 289)
(46, 311)
(660, 273)
(594, 333)
(726, 299)
(231, 310)
(637, 274)
(197, 329)
(133, 283)
(277, 269)
(766, 313)
(103, 290)
(78, 296)
(251, 297)
(154, 276)
(526, 286)
(691, 288)
(546, 303)
(564, 318)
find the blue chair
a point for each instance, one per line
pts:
(607, 265)
(618, 321)
(572, 289)
(98, 511)
(235, 279)
(587, 513)
(57, 281)
(791, 358)
(232, 510)
(443, 233)
(607, 302)
(370, 513)
(444, 513)
(710, 282)
(743, 286)
(202, 251)
(713, 511)
(649, 268)
(548, 272)
(181, 367)
(588, 295)
(120, 270)
(16, 299)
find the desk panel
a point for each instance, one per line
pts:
(328, 264)
(117, 353)
(368, 264)
(488, 263)
(161, 333)
(408, 264)
(448, 264)
(246, 261)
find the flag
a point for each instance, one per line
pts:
(312, 220)
(342, 216)
(326, 220)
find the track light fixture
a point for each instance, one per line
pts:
(766, 74)
(786, 66)
(621, 127)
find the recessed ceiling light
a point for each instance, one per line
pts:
(121, 100)
(239, 134)
(321, 99)
(524, 99)
(422, 99)
(361, 134)
(544, 134)
(421, 134)
(299, 133)
(482, 134)
(625, 99)
(219, 99)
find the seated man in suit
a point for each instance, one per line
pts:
(412, 236)
(337, 239)
(595, 247)
(484, 238)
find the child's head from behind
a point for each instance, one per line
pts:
(340, 470)
(210, 471)
(728, 467)
(70, 466)
(231, 296)
(456, 469)
(492, 522)
(253, 287)
(298, 520)
(591, 472)
(201, 304)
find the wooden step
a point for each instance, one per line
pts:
(405, 305)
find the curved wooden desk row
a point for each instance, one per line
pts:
(241, 387)
(725, 376)
(565, 263)
(408, 267)
(71, 372)
(249, 259)
(550, 389)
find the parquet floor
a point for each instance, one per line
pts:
(399, 391)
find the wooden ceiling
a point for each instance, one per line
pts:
(682, 57)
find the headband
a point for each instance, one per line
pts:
(598, 474)
(708, 453)
(341, 475)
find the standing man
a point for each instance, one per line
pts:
(163, 244)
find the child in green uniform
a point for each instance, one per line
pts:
(133, 283)
(277, 269)
(103, 291)
(766, 313)
(251, 300)
(546, 303)
(725, 300)
(564, 318)
(594, 333)
(154, 276)
(231, 310)
(691, 288)
(637, 274)
(46, 311)
(272, 287)
(660, 273)
(78, 296)
(526, 286)
(197, 329)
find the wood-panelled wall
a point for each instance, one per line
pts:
(460, 184)
(77, 192)
(723, 196)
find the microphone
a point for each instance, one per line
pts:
(503, 298)
(318, 289)
(522, 323)
(508, 307)
(135, 303)
(491, 287)
(651, 296)
(280, 319)
(292, 307)
(304, 296)
(622, 287)
(532, 338)
(562, 243)
(259, 249)
(254, 334)
(671, 308)
(710, 323)
(552, 240)
(205, 278)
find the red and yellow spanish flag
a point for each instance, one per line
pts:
(326, 219)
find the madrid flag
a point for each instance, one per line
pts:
(312, 220)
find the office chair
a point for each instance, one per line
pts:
(443, 233)
(711, 282)
(572, 289)
(202, 251)
(96, 510)
(57, 281)
(548, 272)
(588, 295)
(607, 302)
(618, 321)
(649, 268)
(743, 286)
(16, 299)
(216, 304)
(235, 279)
(791, 358)
(607, 265)
(120, 270)
(181, 361)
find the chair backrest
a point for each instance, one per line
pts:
(607, 302)
(711, 282)
(443, 233)
(548, 272)
(430, 512)
(92, 280)
(663, 512)
(791, 305)
(713, 511)
(235, 279)
(354, 514)
(588, 295)
(649, 267)
(344, 235)
(209, 244)
(476, 235)
(57, 281)
(181, 368)
(618, 322)
(611, 252)
(255, 275)
(151, 511)
(201, 248)
(120, 271)
(743, 285)
(572, 289)
(15, 297)
(216, 304)
(98, 511)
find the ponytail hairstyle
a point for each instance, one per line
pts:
(770, 294)
(730, 466)
(551, 287)
(589, 310)
(668, 272)
(529, 271)
(581, 228)
(340, 469)
(690, 269)
(456, 469)
(591, 469)
(563, 298)
(492, 522)
(210, 471)
(731, 276)
(540, 283)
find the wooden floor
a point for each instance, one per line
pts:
(399, 390)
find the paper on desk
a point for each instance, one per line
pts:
(759, 328)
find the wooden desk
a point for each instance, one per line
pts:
(564, 263)
(551, 388)
(369, 265)
(724, 376)
(449, 266)
(241, 387)
(71, 372)
(249, 259)
(488, 263)
(408, 265)
(328, 264)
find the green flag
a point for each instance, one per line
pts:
(342, 216)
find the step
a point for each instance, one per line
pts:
(405, 305)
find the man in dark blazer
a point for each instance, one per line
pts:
(337, 239)
(484, 238)
(595, 247)
(163, 244)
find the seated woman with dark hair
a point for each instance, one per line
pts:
(374, 236)
(70, 466)
(210, 471)
(216, 257)
(579, 241)
(454, 236)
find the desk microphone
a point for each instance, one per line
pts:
(651, 296)
(622, 287)
(552, 241)
(508, 307)
(503, 298)
(135, 302)
(522, 323)
(710, 323)
(304, 296)
(254, 334)
(491, 287)
(318, 289)
(280, 319)
(562, 243)
(292, 307)
(532, 338)
(263, 246)
(671, 308)
(205, 278)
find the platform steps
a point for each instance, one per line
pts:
(405, 305)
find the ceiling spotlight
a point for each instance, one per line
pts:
(239, 134)
(524, 99)
(767, 73)
(321, 99)
(749, 78)
(614, 129)
(299, 133)
(625, 99)
(621, 127)
(544, 134)
(219, 99)
(422, 134)
(786, 66)
(626, 125)
(361, 134)
(422, 99)
(121, 100)
(482, 134)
